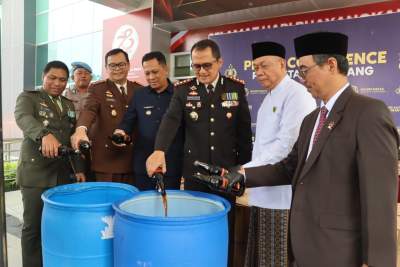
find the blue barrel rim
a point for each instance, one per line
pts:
(157, 219)
(80, 187)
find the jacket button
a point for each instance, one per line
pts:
(212, 106)
(189, 151)
(32, 159)
(212, 119)
(301, 183)
(212, 147)
(212, 133)
(106, 145)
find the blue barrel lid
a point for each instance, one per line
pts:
(221, 207)
(83, 195)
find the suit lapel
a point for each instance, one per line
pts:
(331, 122)
(308, 129)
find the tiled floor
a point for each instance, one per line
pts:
(14, 217)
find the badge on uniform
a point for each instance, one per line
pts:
(109, 94)
(45, 123)
(233, 96)
(193, 88)
(71, 114)
(189, 104)
(113, 112)
(193, 98)
(198, 104)
(193, 93)
(43, 104)
(194, 116)
(42, 113)
(228, 104)
(148, 110)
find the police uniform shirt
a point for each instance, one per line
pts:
(278, 123)
(217, 126)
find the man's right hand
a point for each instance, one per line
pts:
(50, 146)
(80, 134)
(154, 161)
(120, 132)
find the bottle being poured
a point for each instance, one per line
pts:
(160, 186)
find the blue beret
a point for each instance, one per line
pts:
(77, 64)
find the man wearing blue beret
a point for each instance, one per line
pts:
(82, 76)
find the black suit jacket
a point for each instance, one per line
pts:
(344, 194)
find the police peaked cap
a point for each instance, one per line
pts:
(321, 43)
(80, 65)
(268, 49)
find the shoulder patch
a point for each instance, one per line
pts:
(99, 82)
(235, 79)
(177, 83)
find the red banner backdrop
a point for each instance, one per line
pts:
(132, 33)
(183, 41)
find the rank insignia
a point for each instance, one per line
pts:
(109, 93)
(194, 116)
(113, 113)
(229, 115)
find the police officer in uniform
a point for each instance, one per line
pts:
(147, 107)
(104, 109)
(216, 119)
(47, 121)
(82, 76)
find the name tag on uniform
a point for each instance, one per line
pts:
(193, 98)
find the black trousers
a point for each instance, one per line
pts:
(31, 241)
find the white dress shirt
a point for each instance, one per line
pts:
(278, 123)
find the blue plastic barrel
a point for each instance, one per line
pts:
(195, 233)
(77, 223)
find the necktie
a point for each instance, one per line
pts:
(210, 89)
(322, 118)
(122, 89)
(56, 100)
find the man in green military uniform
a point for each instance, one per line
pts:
(47, 121)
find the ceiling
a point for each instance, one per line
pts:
(177, 15)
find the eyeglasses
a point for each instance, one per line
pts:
(205, 66)
(114, 66)
(304, 70)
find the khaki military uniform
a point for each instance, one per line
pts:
(37, 115)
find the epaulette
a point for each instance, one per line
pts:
(235, 79)
(177, 83)
(98, 82)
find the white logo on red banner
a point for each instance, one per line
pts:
(126, 38)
